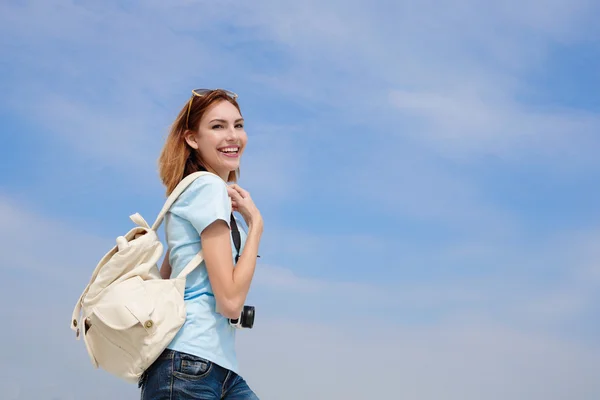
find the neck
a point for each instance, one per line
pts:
(223, 174)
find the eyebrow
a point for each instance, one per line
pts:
(222, 120)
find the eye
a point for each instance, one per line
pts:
(217, 126)
(240, 126)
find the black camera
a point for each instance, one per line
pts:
(245, 320)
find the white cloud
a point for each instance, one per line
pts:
(353, 359)
(462, 66)
(402, 42)
(114, 98)
(43, 248)
(273, 164)
(464, 73)
(461, 78)
(372, 339)
(450, 360)
(459, 68)
(468, 123)
(411, 186)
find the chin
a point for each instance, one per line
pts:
(228, 168)
(231, 167)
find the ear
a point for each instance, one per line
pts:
(191, 138)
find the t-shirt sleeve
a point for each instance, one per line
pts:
(203, 202)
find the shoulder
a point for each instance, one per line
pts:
(204, 193)
(206, 186)
(205, 183)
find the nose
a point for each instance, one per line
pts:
(232, 133)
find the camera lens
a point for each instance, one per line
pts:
(248, 317)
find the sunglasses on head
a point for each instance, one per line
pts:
(203, 92)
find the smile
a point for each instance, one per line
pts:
(231, 151)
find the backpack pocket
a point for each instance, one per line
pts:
(119, 327)
(107, 350)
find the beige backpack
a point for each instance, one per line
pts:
(128, 314)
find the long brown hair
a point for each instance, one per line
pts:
(177, 159)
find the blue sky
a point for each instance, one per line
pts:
(427, 173)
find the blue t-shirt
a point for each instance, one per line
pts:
(205, 333)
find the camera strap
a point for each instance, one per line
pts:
(235, 234)
(237, 239)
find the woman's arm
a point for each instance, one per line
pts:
(165, 269)
(231, 285)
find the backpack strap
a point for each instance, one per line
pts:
(181, 186)
(185, 182)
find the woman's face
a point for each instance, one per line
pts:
(221, 138)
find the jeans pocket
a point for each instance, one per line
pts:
(191, 367)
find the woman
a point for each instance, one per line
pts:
(200, 362)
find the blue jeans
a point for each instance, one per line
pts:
(178, 376)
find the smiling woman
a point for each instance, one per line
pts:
(200, 362)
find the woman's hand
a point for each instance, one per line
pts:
(243, 203)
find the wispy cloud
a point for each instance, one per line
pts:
(467, 78)
(426, 172)
(329, 322)
(466, 123)
(40, 247)
(439, 361)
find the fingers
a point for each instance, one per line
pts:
(236, 198)
(234, 194)
(240, 199)
(242, 192)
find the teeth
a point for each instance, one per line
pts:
(230, 150)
